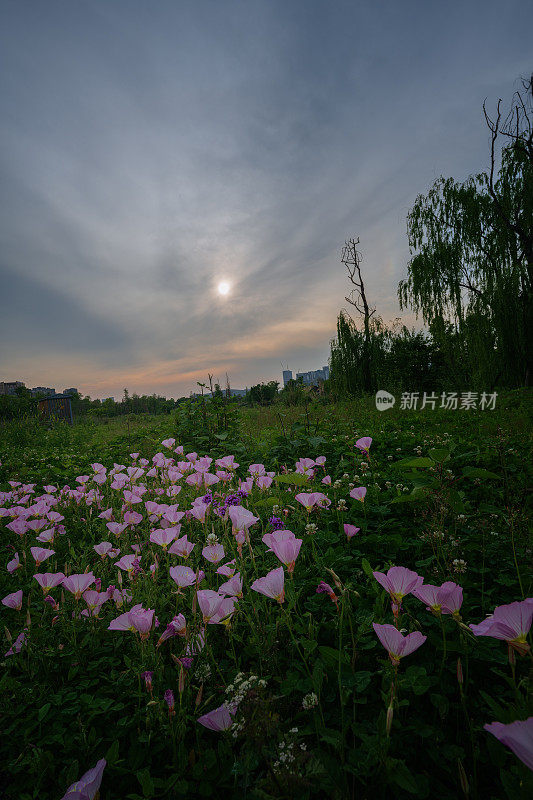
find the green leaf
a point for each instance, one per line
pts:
(293, 478)
(407, 463)
(477, 472)
(330, 656)
(440, 455)
(112, 754)
(43, 711)
(147, 785)
(401, 775)
(331, 737)
(367, 569)
(362, 680)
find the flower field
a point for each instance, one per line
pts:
(348, 617)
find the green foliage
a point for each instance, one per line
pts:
(74, 695)
(470, 276)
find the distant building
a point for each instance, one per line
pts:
(10, 387)
(70, 391)
(207, 395)
(311, 378)
(287, 376)
(45, 391)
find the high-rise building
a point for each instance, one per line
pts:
(287, 376)
(314, 376)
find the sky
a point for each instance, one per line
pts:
(151, 150)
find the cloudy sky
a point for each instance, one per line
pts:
(151, 150)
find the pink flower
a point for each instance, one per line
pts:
(201, 479)
(241, 518)
(272, 585)
(445, 599)
(148, 675)
(209, 603)
(277, 536)
(88, 785)
(287, 551)
(219, 719)
(509, 622)
(41, 554)
(213, 553)
(182, 576)
(326, 480)
(169, 700)
(95, 600)
(264, 482)
(46, 537)
(350, 530)
(17, 645)
(320, 461)
(257, 469)
(224, 612)
(309, 500)
(364, 444)
(304, 466)
(452, 598)
(398, 581)
(176, 627)
(518, 736)
(397, 645)
(13, 600)
(103, 548)
(174, 517)
(359, 493)
(78, 584)
(137, 619)
(227, 462)
(325, 588)
(233, 587)
(169, 443)
(163, 537)
(116, 528)
(47, 580)
(126, 563)
(14, 564)
(181, 547)
(227, 569)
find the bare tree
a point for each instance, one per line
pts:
(351, 258)
(518, 128)
(517, 215)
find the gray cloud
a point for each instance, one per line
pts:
(148, 152)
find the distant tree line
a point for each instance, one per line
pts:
(23, 404)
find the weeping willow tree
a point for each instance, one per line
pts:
(471, 274)
(351, 350)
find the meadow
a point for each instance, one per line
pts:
(268, 602)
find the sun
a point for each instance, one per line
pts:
(223, 288)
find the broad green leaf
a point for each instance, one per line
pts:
(477, 472)
(293, 478)
(439, 455)
(143, 776)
